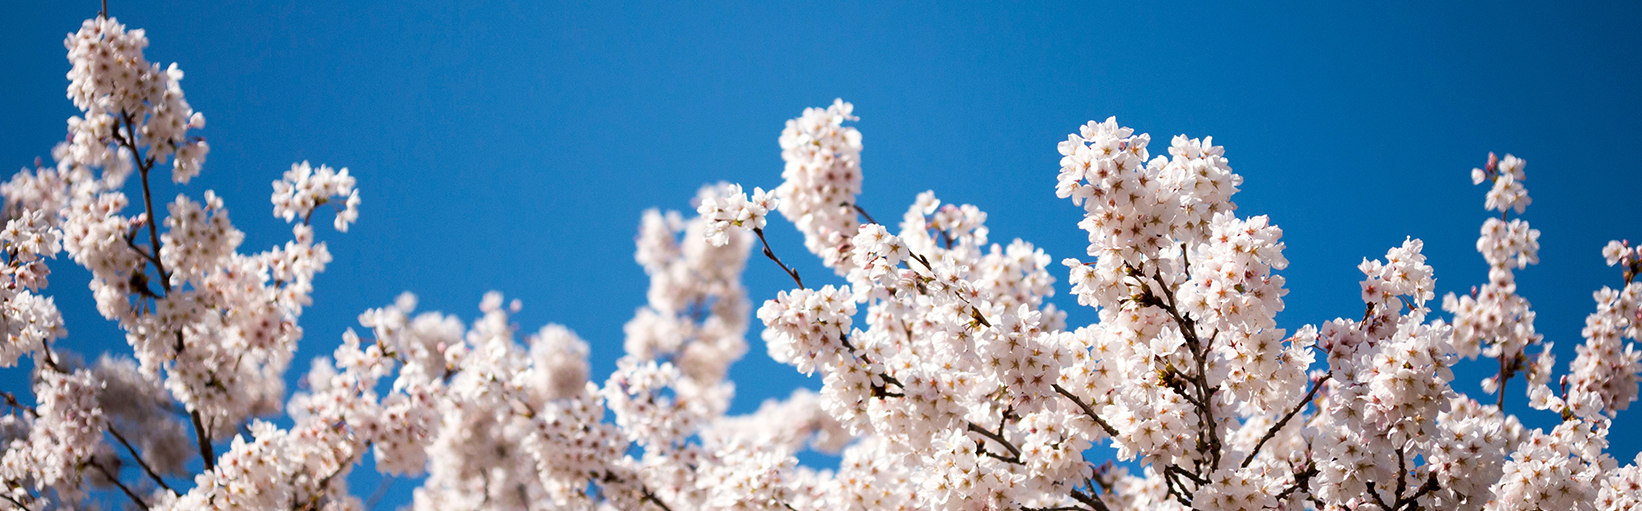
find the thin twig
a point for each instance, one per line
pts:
(879, 390)
(144, 166)
(771, 254)
(12, 400)
(652, 498)
(1188, 475)
(123, 487)
(1015, 452)
(14, 502)
(319, 497)
(1300, 481)
(1091, 499)
(863, 212)
(1087, 410)
(50, 359)
(1279, 425)
(140, 462)
(1176, 488)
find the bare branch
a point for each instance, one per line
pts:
(863, 212)
(140, 462)
(12, 400)
(771, 254)
(116, 479)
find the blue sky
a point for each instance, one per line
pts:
(515, 147)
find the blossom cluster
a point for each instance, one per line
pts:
(303, 188)
(822, 179)
(125, 96)
(734, 208)
(948, 378)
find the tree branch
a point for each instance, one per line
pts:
(145, 165)
(771, 254)
(1301, 480)
(1090, 499)
(1014, 452)
(863, 212)
(116, 480)
(207, 454)
(1285, 420)
(14, 502)
(1087, 410)
(140, 462)
(651, 497)
(12, 400)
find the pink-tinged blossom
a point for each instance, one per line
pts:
(822, 179)
(947, 379)
(304, 188)
(728, 206)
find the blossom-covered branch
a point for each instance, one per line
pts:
(948, 378)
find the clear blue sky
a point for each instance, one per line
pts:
(514, 147)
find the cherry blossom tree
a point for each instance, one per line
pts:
(961, 386)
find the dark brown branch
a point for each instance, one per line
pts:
(1090, 499)
(1185, 262)
(771, 254)
(1015, 453)
(879, 390)
(114, 478)
(1430, 485)
(139, 280)
(1402, 474)
(1301, 480)
(1411, 501)
(1285, 420)
(1377, 498)
(12, 400)
(207, 454)
(1087, 410)
(49, 358)
(1200, 355)
(863, 212)
(140, 462)
(1176, 488)
(1188, 475)
(651, 497)
(144, 166)
(130, 241)
(644, 491)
